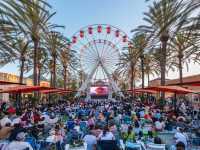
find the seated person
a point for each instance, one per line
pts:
(19, 143)
(157, 140)
(159, 125)
(58, 134)
(180, 146)
(129, 135)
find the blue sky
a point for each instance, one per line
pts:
(74, 14)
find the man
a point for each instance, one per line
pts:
(91, 141)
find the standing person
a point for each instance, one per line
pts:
(91, 141)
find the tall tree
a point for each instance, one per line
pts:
(31, 18)
(54, 45)
(128, 65)
(164, 20)
(68, 62)
(140, 42)
(183, 48)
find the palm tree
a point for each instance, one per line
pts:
(164, 19)
(140, 42)
(30, 18)
(21, 50)
(68, 62)
(182, 47)
(128, 65)
(150, 66)
(15, 49)
(54, 45)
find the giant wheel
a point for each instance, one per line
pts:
(99, 47)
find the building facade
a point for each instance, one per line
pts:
(7, 77)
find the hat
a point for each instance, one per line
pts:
(5, 121)
(11, 110)
(20, 136)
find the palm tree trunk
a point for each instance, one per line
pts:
(51, 79)
(39, 75)
(54, 72)
(19, 95)
(180, 70)
(132, 77)
(164, 38)
(65, 77)
(21, 71)
(35, 61)
(148, 78)
(142, 68)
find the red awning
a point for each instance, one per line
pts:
(194, 84)
(143, 91)
(171, 89)
(66, 91)
(24, 89)
(8, 82)
(51, 91)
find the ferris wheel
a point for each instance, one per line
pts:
(98, 48)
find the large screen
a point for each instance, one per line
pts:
(99, 90)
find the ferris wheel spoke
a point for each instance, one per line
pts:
(91, 49)
(88, 53)
(109, 48)
(91, 45)
(104, 45)
(110, 52)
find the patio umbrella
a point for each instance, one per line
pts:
(51, 91)
(8, 83)
(143, 91)
(24, 89)
(171, 89)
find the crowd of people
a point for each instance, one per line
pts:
(105, 124)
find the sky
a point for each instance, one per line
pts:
(75, 14)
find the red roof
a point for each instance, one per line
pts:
(171, 89)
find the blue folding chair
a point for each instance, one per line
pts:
(132, 146)
(70, 124)
(83, 126)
